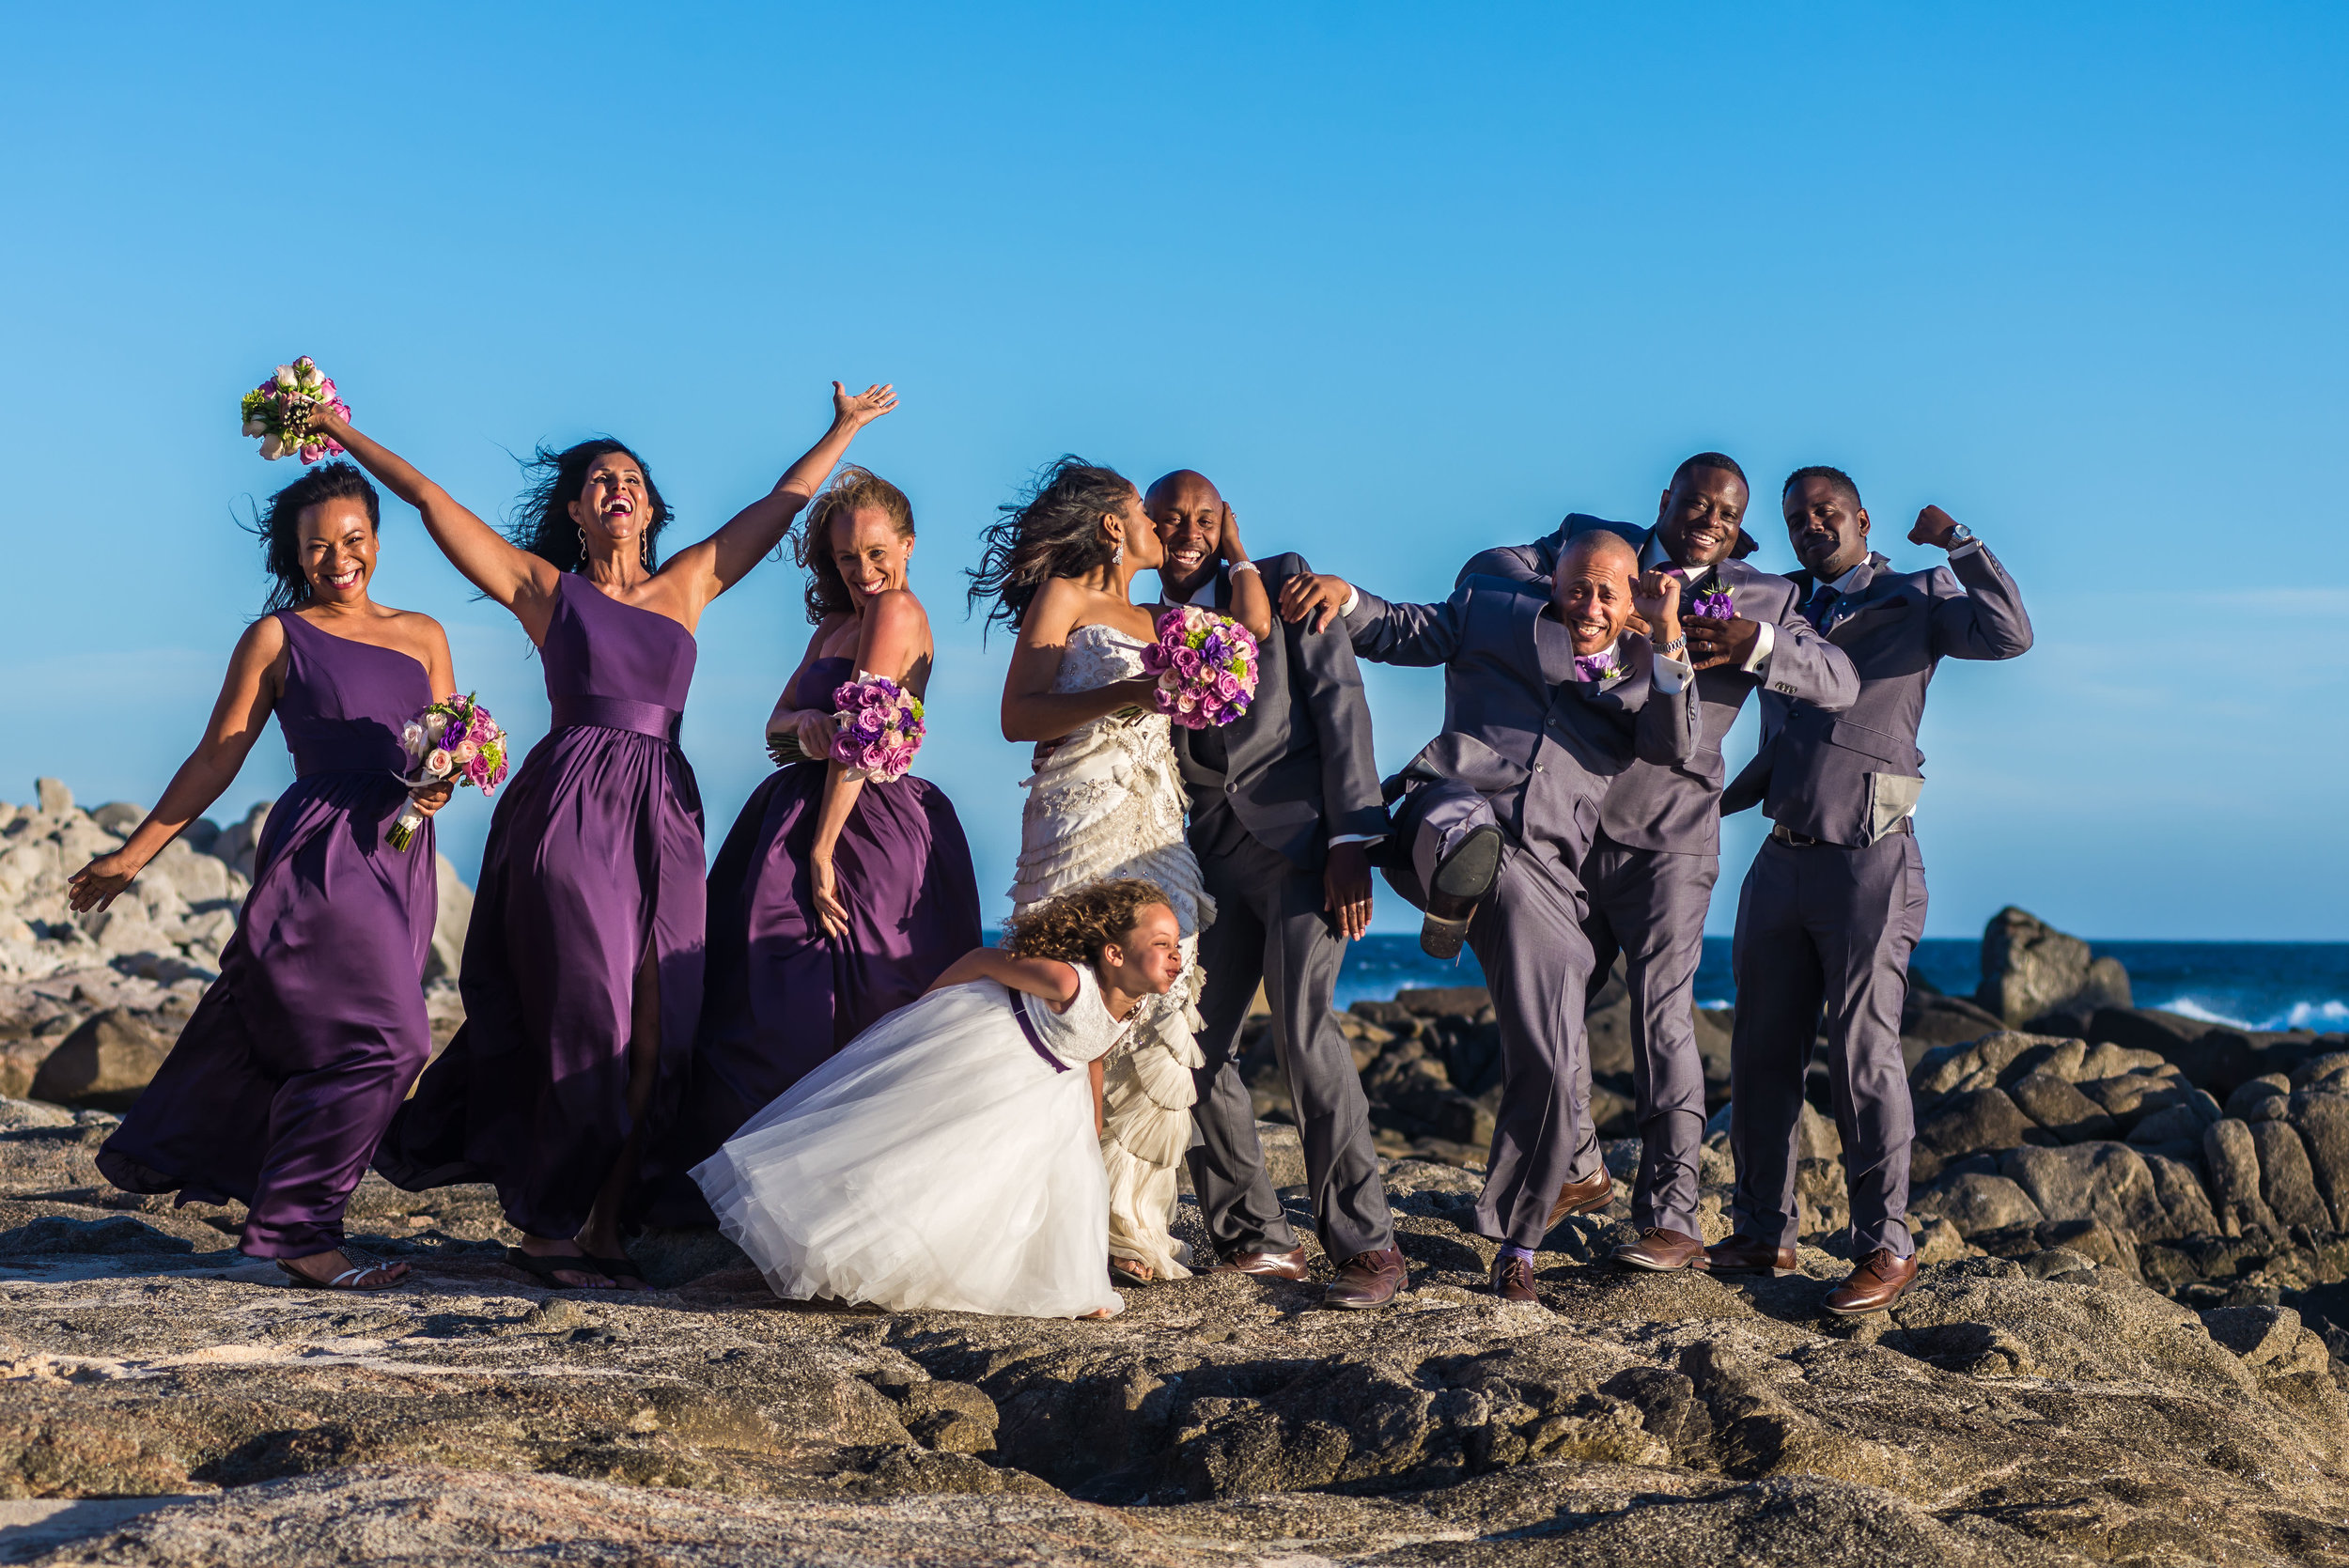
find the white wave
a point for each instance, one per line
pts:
(2320, 1016)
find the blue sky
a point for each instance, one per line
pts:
(1405, 281)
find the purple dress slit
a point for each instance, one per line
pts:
(783, 997)
(594, 858)
(283, 1081)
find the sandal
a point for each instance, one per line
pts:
(616, 1268)
(1131, 1272)
(350, 1278)
(545, 1269)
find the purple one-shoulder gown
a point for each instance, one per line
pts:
(594, 859)
(783, 996)
(285, 1075)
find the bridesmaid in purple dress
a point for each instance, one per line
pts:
(284, 1078)
(835, 899)
(583, 966)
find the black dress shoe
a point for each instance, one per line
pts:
(1462, 879)
(1266, 1266)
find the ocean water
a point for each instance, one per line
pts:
(2249, 984)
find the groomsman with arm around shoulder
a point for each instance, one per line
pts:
(1835, 901)
(1284, 803)
(1547, 697)
(1650, 871)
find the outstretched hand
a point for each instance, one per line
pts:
(862, 409)
(100, 883)
(1933, 527)
(1314, 595)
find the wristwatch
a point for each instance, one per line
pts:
(1959, 535)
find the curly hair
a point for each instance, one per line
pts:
(542, 522)
(1053, 530)
(1078, 925)
(850, 489)
(279, 527)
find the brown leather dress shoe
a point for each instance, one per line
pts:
(1661, 1252)
(1366, 1279)
(1587, 1195)
(1745, 1254)
(1513, 1279)
(1266, 1266)
(1875, 1284)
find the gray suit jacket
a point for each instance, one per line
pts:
(1674, 807)
(1847, 778)
(1297, 769)
(1518, 728)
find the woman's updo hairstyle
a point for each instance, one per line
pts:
(542, 520)
(1054, 530)
(279, 527)
(849, 490)
(1078, 925)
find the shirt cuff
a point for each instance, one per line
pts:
(1336, 839)
(1353, 601)
(1971, 547)
(1765, 640)
(1670, 674)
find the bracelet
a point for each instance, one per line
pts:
(1241, 565)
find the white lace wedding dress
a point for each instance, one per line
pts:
(1108, 801)
(944, 1159)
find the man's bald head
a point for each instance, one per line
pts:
(1590, 590)
(1190, 516)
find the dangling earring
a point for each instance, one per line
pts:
(583, 545)
(1117, 554)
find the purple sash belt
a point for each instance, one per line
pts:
(1027, 1027)
(617, 713)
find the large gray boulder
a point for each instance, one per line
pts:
(104, 1065)
(2030, 970)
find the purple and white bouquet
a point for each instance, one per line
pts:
(278, 411)
(1206, 664)
(879, 728)
(454, 739)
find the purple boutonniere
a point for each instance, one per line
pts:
(1713, 605)
(1597, 666)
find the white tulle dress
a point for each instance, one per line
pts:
(944, 1159)
(1105, 802)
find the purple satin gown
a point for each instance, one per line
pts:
(783, 996)
(285, 1075)
(594, 859)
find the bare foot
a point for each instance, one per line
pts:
(323, 1268)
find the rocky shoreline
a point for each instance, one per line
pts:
(2126, 1344)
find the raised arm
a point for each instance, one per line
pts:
(894, 641)
(522, 582)
(1670, 725)
(247, 697)
(1985, 620)
(707, 569)
(1252, 606)
(1032, 709)
(1414, 634)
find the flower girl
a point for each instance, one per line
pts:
(947, 1158)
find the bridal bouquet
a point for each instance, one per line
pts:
(879, 728)
(1206, 664)
(454, 739)
(278, 411)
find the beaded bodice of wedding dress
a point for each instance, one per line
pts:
(1108, 801)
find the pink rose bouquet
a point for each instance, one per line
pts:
(879, 729)
(1206, 664)
(278, 411)
(454, 739)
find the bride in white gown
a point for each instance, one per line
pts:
(945, 1158)
(1106, 798)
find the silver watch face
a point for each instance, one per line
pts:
(1961, 534)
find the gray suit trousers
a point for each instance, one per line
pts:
(1650, 904)
(1270, 925)
(1528, 935)
(1824, 925)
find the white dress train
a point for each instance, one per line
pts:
(1108, 801)
(944, 1159)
